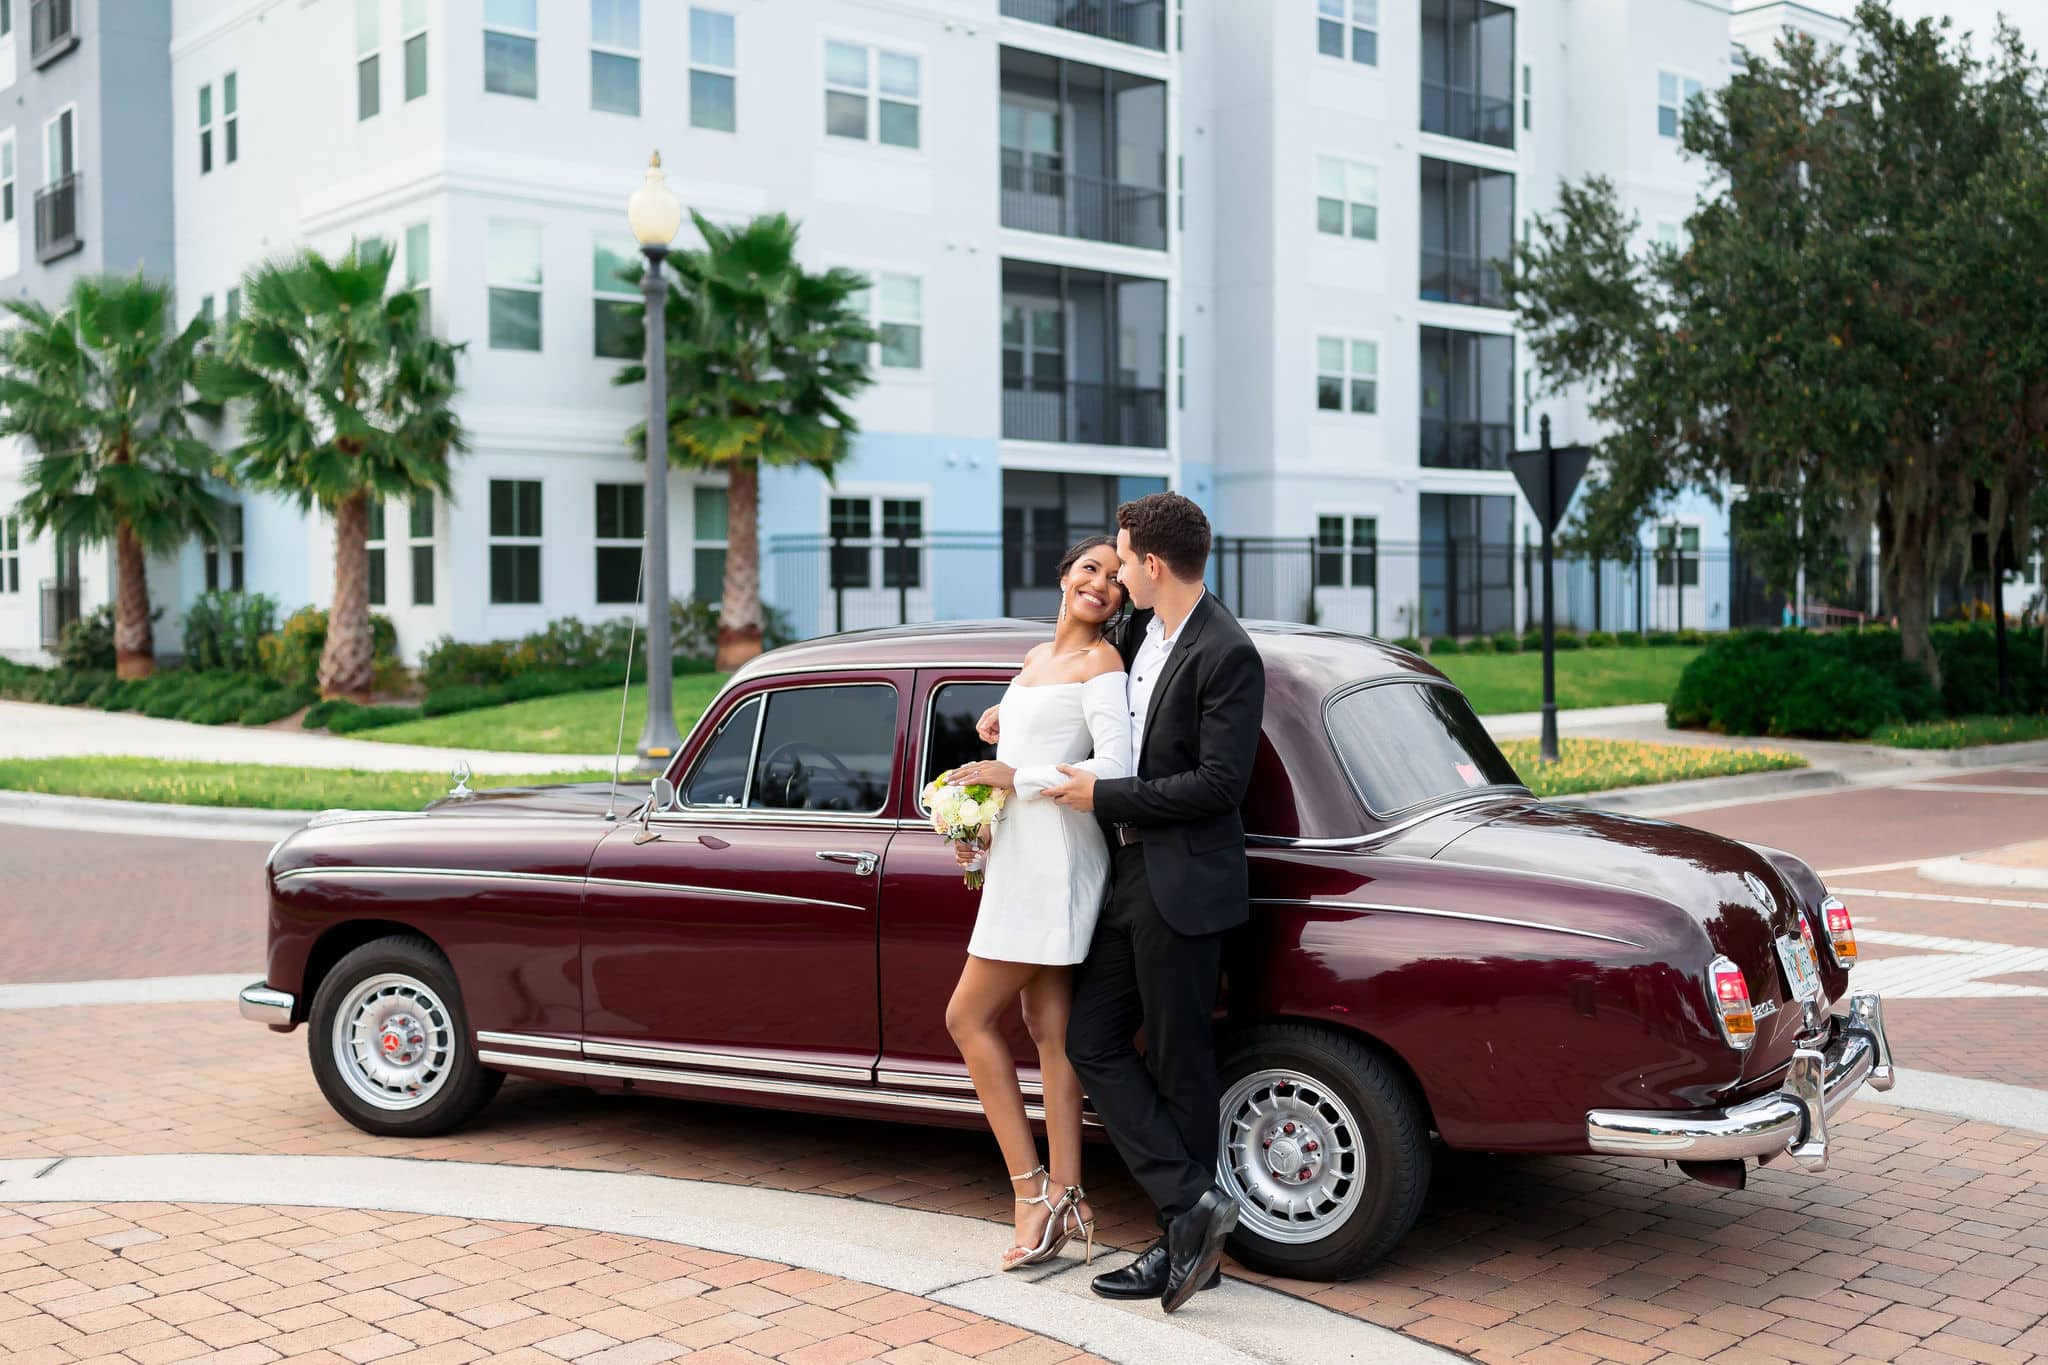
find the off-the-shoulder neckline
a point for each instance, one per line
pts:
(1047, 687)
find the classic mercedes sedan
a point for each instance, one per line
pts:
(1434, 956)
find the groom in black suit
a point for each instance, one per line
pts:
(1178, 881)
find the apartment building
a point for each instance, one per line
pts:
(85, 186)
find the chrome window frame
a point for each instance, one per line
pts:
(1414, 810)
(777, 815)
(703, 754)
(921, 750)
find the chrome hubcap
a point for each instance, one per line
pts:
(394, 1041)
(1291, 1155)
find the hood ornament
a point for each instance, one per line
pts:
(461, 776)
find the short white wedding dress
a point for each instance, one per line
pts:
(1047, 864)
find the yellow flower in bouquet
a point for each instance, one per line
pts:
(965, 815)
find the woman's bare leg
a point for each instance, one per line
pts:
(1048, 1000)
(983, 993)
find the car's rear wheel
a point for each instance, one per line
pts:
(390, 1042)
(1325, 1147)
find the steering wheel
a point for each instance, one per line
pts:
(794, 750)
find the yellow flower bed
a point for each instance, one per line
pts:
(1591, 765)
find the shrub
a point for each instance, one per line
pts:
(321, 712)
(1826, 685)
(1506, 642)
(1407, 642)
(1599, 639)
(1565, 640)
(1628, 639)
(1479, 644)
(1829, 702)
(87, 644)
(451, 663)
(1444, 644)
(276, 704)
(20, 682)
(225, 630)
(1659, 638)
(1691, 636)
(292, 655)
(447, 701)
(370, 718)
(1532, 640)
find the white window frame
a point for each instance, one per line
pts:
(10, 171)
(1528, 94)
(230, 118)
(872, 308)
(205, 129)
(411, 10)
(618, 292)
(223, 560)
(1680, 81)
(419, 274)
(1352, 18)
(1679, 556)
(50, 175)
(377, 545)
(536, 287)
(1352, 172)
(708, 592)
(415, 542)
(492, 540)
(369, 52)
(870, 91)
(1346, 548)
(10, 555)
(532, 35)
(601, 542)
(699, 63)
(632, 54)
(1350, 376)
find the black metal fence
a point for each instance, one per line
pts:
(1036, 199)
(57, 219)
(1141, 23)
(1046, 409)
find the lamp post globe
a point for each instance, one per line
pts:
(655, 214)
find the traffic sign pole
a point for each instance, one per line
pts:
(1548, 477)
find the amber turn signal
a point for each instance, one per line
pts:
(1731, 1003)
(1841, 931)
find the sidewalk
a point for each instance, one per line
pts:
(29, 730)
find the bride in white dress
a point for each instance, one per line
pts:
(1043, 889)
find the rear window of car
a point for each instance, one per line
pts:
(1405, 744)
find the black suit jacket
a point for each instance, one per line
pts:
(1201, 736)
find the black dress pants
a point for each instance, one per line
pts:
(1159, 1107)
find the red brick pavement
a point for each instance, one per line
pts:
(1868, 825)
(147, 1284)
(1929, 1235)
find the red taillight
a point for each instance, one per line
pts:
(1731, 1003)
(1841, 932)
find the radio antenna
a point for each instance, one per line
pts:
(611, 810)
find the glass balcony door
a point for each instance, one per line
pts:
(1468, 399)
(1084, 357)
(1468, 70)
(1468, 228)
(1083, 151)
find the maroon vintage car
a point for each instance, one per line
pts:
(1432, 952)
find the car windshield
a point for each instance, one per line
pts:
(1407, 743)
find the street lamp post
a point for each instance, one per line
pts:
(655, 216)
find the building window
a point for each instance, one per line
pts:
(1468, 399)
(415, 24)
(1674, 92)
(206, 309)
(1347, 198)
(1528, 399)
(894, 307)
(512, 48)
(1678, 552)
(224, 557)
(621, 526)
(230, 129)
(205, 129)
(861, 559)
(616, 324)
(1347, 552)
(615, 56)
(420, 538)
(1526, 82)
(7, 176)
(857, 78)
(707, 540)
(515, 541)
(234, 306)
(419, 267)
(10, 555)
(714, 71)
(515, 286)
(1347, 371)
(1468, 70)
(374, 542)
(6, 18)
(1363, 18)
(369, 86)
(1468, 229)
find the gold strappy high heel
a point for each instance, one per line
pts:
(1032, 1255)
(1063, 1224)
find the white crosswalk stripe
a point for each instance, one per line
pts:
(1946, 968)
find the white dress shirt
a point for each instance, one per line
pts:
(1153, 652)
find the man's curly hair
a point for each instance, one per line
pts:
(1171, 526)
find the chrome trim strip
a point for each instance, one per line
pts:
(729, 1061)
(689, 890)
(472, 873)
(260, 1004)
(1387, 831)
(1442, 914)
(933, 1080)
(533, 1040)
(725, 815)
(894, 1099)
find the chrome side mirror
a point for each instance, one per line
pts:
(661, 796)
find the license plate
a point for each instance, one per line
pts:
(1800, 968)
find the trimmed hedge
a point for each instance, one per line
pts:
(1849, 684)
(1506, 642)
(205, 697)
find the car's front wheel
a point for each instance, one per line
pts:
(1325, 1147)
(390, 1042)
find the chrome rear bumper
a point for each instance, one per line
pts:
(262, 1005)
(1794, 1119)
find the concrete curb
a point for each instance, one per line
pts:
(943, 1257)
(1963, 872)
(1700, 792)
(1982, 756)
(92, 814)
(1964, 1097)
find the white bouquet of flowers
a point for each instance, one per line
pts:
(966, 815)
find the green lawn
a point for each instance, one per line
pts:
(1592, 765)
(1499, 683)
(573, 723)
(247, 784)
(1963, 732)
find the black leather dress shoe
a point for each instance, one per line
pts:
(1194, 1246)
(1144, 1278)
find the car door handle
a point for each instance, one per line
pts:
(863, 863)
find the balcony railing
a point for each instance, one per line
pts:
(1455, 277)
(60, 609)
(57, 219)
(1141, 23)
(1038, 200)
(1084, 414)
(1456, 112)
(52, 30)
(1451, 444)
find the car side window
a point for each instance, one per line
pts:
(826, 748)
(949, 737)
(720, 778)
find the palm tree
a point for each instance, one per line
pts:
(101, 390)
(344, 396)
(761, 354)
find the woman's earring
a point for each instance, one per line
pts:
(1063, 609)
